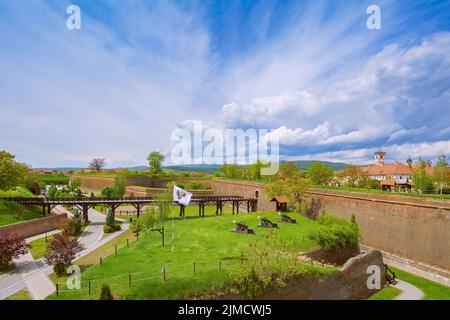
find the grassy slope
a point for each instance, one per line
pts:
(387, 293)
(205, 241)
(432, 290)
(20, 295)
(11, 212)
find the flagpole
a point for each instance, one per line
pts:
(173, 225)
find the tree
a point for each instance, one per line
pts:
(230, 170)
(255, 170)
(52, 191)
(12, 173)
(293, 186)
(320, 174)
(62, 249)
(155, 160)
(33, 183)
(97, 164)
(119, 187)
(441, 172)
(107, 192)
(74, 184)
(106, 293)
(420, 177)
(11, 246)
(351, 175)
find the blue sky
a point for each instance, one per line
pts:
(310, 70)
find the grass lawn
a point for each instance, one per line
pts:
(432, 290)
(38, 248)
(207, 242)
(387, 293)
(54, 178)
(20, 295)
(12, 212)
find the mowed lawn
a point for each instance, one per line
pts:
(12, 212)
(208, 242)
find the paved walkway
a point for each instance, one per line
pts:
(409, 292)
(33, 274)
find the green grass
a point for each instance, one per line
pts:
(378, 191)
(387, 293)
(205, 241)
(18, 192)
(20, 295)
(38, 247)
(12, 212)
(432, 290)
(54, 178)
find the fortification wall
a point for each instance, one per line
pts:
(34, 227)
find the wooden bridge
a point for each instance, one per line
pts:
(138, 203)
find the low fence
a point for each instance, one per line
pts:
(33, 227)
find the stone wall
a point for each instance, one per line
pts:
(33, 227)
(350, 283)
(414, 228)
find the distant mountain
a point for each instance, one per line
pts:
(211, 168)
(305, 164)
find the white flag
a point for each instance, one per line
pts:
(181, 196)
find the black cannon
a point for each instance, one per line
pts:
(266, 223)
(286, 218)
(242, 227)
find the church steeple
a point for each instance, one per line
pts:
(379, 157)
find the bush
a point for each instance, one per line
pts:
(107, 192)
(111, 228)
(11, 246)
(106, 293)
(335, 233)
(72, 227)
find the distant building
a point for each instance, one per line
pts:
(393, 176)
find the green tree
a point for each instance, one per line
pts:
(230, 170)
(255, 170)
(107, 192)
(293, 186)
(110, 219)
(119, 187)
(52, 191)
(420, 177)
(351, 175)
(32, 182)
(155, 160)
(106, 293)
(441, 172)
(74, 184)
(320, 174)
(12, 173)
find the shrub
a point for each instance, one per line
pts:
(335, 233)
(62, 249)
(136, 226)
(111, 229)
(11, 246)
(72, 227)
(107, 192)
(106, 293)
(110, 220)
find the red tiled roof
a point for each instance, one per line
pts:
(388, 183)
(280, 199)
(388, 169)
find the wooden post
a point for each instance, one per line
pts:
(101, 260)
(129, 280)
(57, 289)
(220, 265)
(115, 249)
(128, 245)
(164, 274)
(89, 287)
(194, 267)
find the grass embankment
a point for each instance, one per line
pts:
(207, 242)
(432, 290)
(378, 191)
(387, 293)
(56, 178)
(12, 212)
(23, 294)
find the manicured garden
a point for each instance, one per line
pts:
(206, 256)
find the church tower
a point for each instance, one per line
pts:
(379, 158)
